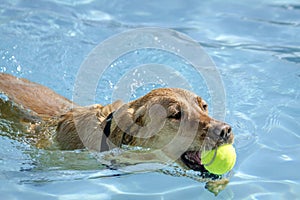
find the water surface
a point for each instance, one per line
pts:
(255, 45)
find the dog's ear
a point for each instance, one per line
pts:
(122, 121)
(143, 122)
(126, 117)
(138, 115)
(127, 121)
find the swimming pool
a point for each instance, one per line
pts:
(254, 44)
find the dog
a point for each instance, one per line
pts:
(171, 121)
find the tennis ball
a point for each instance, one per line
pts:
(220, 160)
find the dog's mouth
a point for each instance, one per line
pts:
(192, 159)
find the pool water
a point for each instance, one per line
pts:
(254, 44)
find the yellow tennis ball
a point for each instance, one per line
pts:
(220, 160)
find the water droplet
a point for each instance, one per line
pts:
(19, 68)
(3, 69)
(71, 33)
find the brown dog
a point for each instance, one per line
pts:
(172, 120)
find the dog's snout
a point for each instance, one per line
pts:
(222, 130)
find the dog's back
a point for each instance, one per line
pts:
(46, 110)
(39, 99)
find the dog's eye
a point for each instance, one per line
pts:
(205, 107)
(176, 115)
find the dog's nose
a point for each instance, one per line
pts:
(223, 130)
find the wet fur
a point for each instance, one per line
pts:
(151, 121)
(150, 116)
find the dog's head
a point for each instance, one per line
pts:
(173, 120)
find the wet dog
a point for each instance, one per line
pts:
(171, 120)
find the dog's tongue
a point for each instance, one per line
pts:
(195, 156)
(192, 160)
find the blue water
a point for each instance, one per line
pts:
(254, 44)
